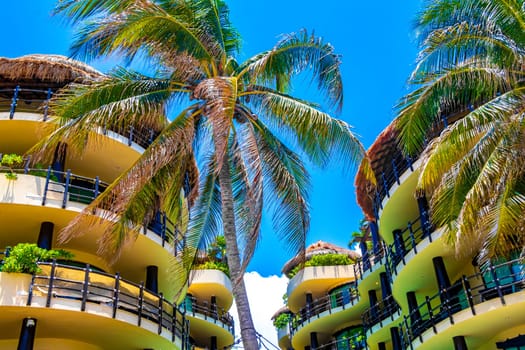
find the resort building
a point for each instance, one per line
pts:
(323, 308)
(413, 291)
(88, 302)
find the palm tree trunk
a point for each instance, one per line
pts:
(248, 334)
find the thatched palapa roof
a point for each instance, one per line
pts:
(320, 247)
(38, 70)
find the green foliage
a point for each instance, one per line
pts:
(323, 260)
(217, 250)
(23, 258)
(39, 170)
(214, 265)
(10, 161)
(282, 320)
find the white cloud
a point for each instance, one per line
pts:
(266, 297)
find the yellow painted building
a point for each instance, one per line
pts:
(89, 302)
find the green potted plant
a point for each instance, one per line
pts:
(24, 258)
(9, 161)
(17, 269)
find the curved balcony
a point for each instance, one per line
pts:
(326, 305)
(208, 312)
(406, 241)
(379, 313)
(84, 295)
(471, 301)
(356, 342)
(69, 191)
(21, 100)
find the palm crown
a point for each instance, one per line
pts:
(470, 75)
(228, 123)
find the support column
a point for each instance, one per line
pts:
(45, 236)
(415, 315)
(59, 160)
(364, 255)
(372, 296)
(460, 343)
(152, 273)
(374, 230)
(386, 289)
(422, 205)
(27, 334)
(309, 302)
(399, 244)
(381, 346)
(443, 282)
(213, 343)
(396, 339)
(314, 344)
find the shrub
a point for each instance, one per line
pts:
(330, 259)
(24, 257)
(9, 161)
(282, 320)
(214, 265)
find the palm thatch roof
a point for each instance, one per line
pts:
(49, 71)
(317, 248)
(383, 150)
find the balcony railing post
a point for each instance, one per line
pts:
(164, 228)
(141, 303)
(396, 173)
(495, 278)
(46, 185)
(14, 102)
(130, 138)
(26, 164)
(97, 186)
(116, 294)
(430, 314)
(468, 293)
(160, 311)
(412, 237)
(31, 286)
(50, 285)
(46, 105)
(85, 288)
(385, 185)
(66, 188)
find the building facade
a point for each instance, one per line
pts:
(413, 290)
(89, 301)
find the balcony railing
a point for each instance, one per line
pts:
(68, 187)
(369, 260)
(356, 342)
(379, 312)
(193, 306)
(109, 295)
(493, 282)
(37, 101)
(406, 240)
(344, 298)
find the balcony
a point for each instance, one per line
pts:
(20, 100)
(73, 289)
(208, 312)
(335, 302)
(370, 262)
(46, 187)
(477, 295)
(379, 313)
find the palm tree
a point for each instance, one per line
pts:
(470, 74)
(227, 119)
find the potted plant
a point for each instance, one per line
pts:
(9, 161)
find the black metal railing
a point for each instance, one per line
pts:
(356, 342)
(379, 312)
(208, 311)
(344, 298)
(492, 282)
(369, 260)
(65, 187)
(84, 287)
(406, 241)
(20, 99)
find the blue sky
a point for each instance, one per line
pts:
(375, 39)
